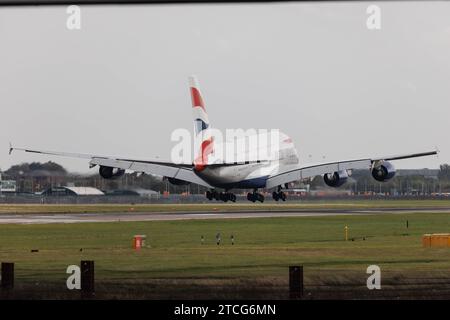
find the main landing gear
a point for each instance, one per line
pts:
(251, 196)
(220, 196)
(255, 196)
(279, 195)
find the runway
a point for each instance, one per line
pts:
(40, 218)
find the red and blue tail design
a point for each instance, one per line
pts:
(205, 144)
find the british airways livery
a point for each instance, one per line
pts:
(275, 171)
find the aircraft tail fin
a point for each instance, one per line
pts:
(204, 144)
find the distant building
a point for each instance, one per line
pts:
(8, 186)
(133, 192)
(72, 191)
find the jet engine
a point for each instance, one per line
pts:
(110, 172)
(383, 172)
(335, 179)
(178, 182)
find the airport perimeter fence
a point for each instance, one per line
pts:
(316, 284)
(193, 198)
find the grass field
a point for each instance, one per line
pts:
(176, 264)
(218, 206)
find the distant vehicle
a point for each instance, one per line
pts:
(270, 173)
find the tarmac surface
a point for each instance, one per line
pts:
(40, 218)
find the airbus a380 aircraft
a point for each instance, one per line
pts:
(274, 172)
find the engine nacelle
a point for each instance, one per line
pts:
(383, 172)
(110, 172)
(336, 179)
(178, 182)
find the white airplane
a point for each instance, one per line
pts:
(273, 172)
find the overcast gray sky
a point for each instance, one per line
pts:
(119, 85)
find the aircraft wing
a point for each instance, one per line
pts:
(167, 169)
(297, 173)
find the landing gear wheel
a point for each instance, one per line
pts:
(223, 196)
(260, 197)
(275, 196)
(209, 195)
(282, 196)
(251, 197)
(232, 197)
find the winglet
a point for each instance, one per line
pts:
(10, 148)
(437, 151)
